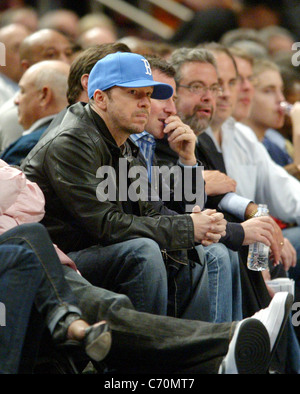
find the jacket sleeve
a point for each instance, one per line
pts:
(234, 237)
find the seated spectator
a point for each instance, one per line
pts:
(246, 91)
(268, 95)
(81, 257)
(10, 73)
(265, 174)
(42, 95)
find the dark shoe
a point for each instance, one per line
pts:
(97, 341)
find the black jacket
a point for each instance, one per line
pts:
(64, 164)
(234, 231)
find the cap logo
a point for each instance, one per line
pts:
(147, 66)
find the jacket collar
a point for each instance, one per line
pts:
(103, 130)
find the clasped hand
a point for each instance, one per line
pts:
(209, 225)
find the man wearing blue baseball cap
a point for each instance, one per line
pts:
(127, 70)
(84, 167)
(128, 74)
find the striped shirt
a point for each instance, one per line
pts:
(146, 143)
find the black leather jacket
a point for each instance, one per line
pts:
(64, 163)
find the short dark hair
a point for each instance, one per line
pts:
(84, 63)
(162, 65)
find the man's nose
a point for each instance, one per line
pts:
(170, 107)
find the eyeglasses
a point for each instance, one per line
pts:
(201, 90)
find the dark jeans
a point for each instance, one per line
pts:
(149, 343)
(53, 298)
(20, 278)
(134, 267)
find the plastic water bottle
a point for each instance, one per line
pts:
(287, 107)
(258, 256)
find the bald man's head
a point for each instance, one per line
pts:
(42, 91)
(45, 44)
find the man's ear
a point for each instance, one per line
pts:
(100, 99)
(25, 65)
(84, 82)
(46, 95)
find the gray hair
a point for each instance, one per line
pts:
(185, 55)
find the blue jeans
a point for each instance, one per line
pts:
(20, 278)
(136, 268)
(53, 298)
(224, 283)
(133, 267)
(188, 295)
(211, 290)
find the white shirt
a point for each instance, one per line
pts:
(232, 202)
(258, 177)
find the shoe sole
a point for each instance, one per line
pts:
(99, 347)
(252, 348)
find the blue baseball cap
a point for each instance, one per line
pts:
(128, 70)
